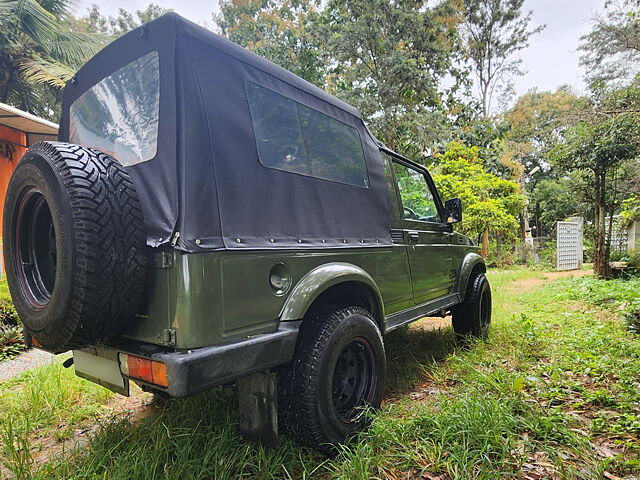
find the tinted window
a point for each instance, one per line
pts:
(417, 200)
(119, 114)
(394, 204)
(293, 137)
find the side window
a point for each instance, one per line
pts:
(295, 138)
(395, 212)
(416, 196)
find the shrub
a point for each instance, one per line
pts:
(11, 341)
(8, 314)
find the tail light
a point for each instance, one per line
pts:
(144, 369)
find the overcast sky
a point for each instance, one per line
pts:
(550, 61)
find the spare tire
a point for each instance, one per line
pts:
(74, 245)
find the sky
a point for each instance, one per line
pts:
(550, 61)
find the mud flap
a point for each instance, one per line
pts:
(258, 408)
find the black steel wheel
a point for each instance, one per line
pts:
(353, 378)
(36, 253)
(473, 316)
(337, 373)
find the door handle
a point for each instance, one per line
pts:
(414, 236)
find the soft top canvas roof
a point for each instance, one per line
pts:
(205, 187)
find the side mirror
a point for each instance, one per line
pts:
(453, 210)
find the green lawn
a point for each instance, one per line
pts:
(554, 393)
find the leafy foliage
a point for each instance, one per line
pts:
(537, 123)
(390, 60)
(611, 50)
(490, 202)
(38, 54)
(601, 143)
(282, 30)
(124, 22)
(495, 31)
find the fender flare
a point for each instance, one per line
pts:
(470, 262)
(318, 280)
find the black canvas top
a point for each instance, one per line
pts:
(204, 178)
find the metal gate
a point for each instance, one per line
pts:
(569, 245)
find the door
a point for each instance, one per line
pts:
(427, 236)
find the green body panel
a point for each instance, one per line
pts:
(206, 299)
(198, 300)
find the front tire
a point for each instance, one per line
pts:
(337, 371)
(473, 316)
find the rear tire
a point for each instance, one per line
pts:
(473, 316)
(337, 371)
(74, 245)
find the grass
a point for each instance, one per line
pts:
(11, 338)
(555, 393)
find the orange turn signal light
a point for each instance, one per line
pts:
(144, 369)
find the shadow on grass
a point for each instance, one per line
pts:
(412, 352)
(197, 437)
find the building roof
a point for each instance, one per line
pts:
(35, 127)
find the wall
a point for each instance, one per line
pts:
(12, 147)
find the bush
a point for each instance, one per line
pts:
(8, 314)
(11, 338)
(11, 341)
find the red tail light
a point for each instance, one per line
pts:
(144, 369)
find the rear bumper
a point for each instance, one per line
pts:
(193, 371)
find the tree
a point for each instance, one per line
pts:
(37, 54)
(611, 50)
(495, 31)
(280, 30)
(390, 59)
(536, 123)
(124, 22)
(559, 198)
(603, 143)
(491, 204)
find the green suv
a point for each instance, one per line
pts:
(208, 215)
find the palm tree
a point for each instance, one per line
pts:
(39, 52)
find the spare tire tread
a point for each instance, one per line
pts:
(109, 245)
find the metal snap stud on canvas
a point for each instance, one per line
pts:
(160, 239)
(238, 240)
(272, 240)
(198, 241)
(299, 240)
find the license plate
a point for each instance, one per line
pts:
(100, 365)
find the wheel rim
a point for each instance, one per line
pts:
(353, 380)
(36, 252)
(485, 311)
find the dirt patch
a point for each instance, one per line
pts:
(529, 283)
(136, 407)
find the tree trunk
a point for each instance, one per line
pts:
(600, 260)
(4, 86)
(499, 247)
(5, 77)
(485, 243)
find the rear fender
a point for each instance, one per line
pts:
(318, 280)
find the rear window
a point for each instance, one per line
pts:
(295, 138)
(119, 114)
